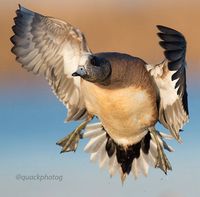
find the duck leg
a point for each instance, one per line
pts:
(70, 142)
(162, 161)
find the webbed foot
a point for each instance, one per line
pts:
(70, 142)
(162, 161)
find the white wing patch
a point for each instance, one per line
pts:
(171, 112)
(163, 80)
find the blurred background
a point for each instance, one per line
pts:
(31, 118)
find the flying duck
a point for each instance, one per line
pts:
(126, 95)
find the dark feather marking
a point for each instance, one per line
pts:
(171, 38)
(178, 74)
(174, 54)
(175, 65)
(171, 45)
(125, 156)
(146, 143)
(180, 83)
(185, 102)
(168, 30)
(110, 147)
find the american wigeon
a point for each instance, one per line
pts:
(127, 95)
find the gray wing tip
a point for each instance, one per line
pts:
(22, 9)
(22, 15)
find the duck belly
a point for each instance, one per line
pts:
(125, 113)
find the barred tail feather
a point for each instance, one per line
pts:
(135, 159)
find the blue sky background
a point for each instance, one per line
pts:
(31, 123)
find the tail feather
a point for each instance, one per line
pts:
(95, 143)
(136, 158)
(93, 133)
(113, 165)
(142, 162)
(135, 169)
(103, 157)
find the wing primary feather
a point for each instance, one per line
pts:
(171, 38)
(171, 45)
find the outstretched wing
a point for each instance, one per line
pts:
(45, 45)
(170, 78)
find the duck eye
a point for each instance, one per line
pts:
(93, 61)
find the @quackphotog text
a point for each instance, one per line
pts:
(39, 177)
